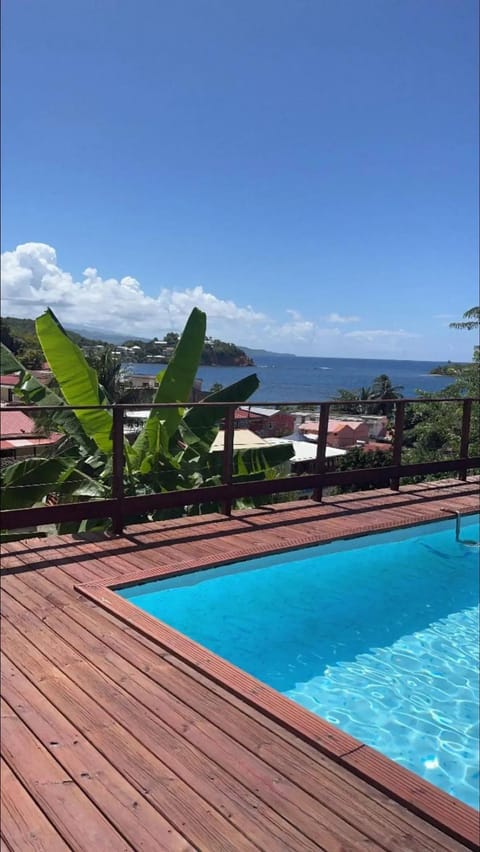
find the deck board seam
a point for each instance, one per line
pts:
(32, 792)
(20, 781)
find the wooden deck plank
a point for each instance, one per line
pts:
(144, 768)
(280, 756)
(220, 719)
(79, 668)
(111, 793)
(55, 793)
(24, 825)
(311, 817)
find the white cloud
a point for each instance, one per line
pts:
(380, 333)
(343, 319)
(32, 280)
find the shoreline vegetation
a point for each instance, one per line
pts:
(450, 369)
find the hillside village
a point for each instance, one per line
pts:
(20, 337)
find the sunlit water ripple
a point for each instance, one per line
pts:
(416, 701)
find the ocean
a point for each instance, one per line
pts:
(286, 378)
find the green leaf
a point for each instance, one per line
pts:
(203, 421)
(27, 482)
(8, 362)
(175, 384)
(78, 382)
(260, 459)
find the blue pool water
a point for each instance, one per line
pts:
(378, 635)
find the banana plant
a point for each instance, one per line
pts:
(173, 450)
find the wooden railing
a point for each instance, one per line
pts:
(119, 507)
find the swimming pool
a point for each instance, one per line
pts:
(378, 635)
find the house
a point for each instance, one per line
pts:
(301, 417)
(377, 424)
(243, 439)
(305, 454)
(9, 382)
(266, 422)
(341, 433)
(18, 438)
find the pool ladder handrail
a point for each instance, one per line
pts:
(458, 516)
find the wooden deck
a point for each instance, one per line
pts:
(117, 736)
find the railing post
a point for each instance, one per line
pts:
(464, 440)
(227, 472)
(117, 473)
(321, 446)
(398, 441)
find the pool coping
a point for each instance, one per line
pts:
(455, 818)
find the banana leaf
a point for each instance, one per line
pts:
(175, 385)
(27, 482)
(8, 362)
(78, 381)
(203, 422)
(249, 463)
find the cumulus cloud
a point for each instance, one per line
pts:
(32, 280)
(334, 317)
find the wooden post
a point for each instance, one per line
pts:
(227, 472)
(398, 441)
(117, 473)
(321, 446)
(464, 440)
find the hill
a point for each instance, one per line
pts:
(103, 334)
(260, 353)
(20, 336)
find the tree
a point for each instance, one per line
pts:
(383, 390)
(347, 401)
(172, 452)
(434, 430)
(171, 338)
(108, 367)
(357, 459)
(471, 320)
(7, 337)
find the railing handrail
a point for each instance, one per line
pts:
(119, 506)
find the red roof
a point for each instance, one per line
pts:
(11, 379)
(241, 414)
(15, 443)
(15, 424)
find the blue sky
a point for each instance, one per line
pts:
(304, 170)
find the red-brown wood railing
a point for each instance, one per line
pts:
(119, 507)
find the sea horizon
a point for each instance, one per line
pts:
(300, 378)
